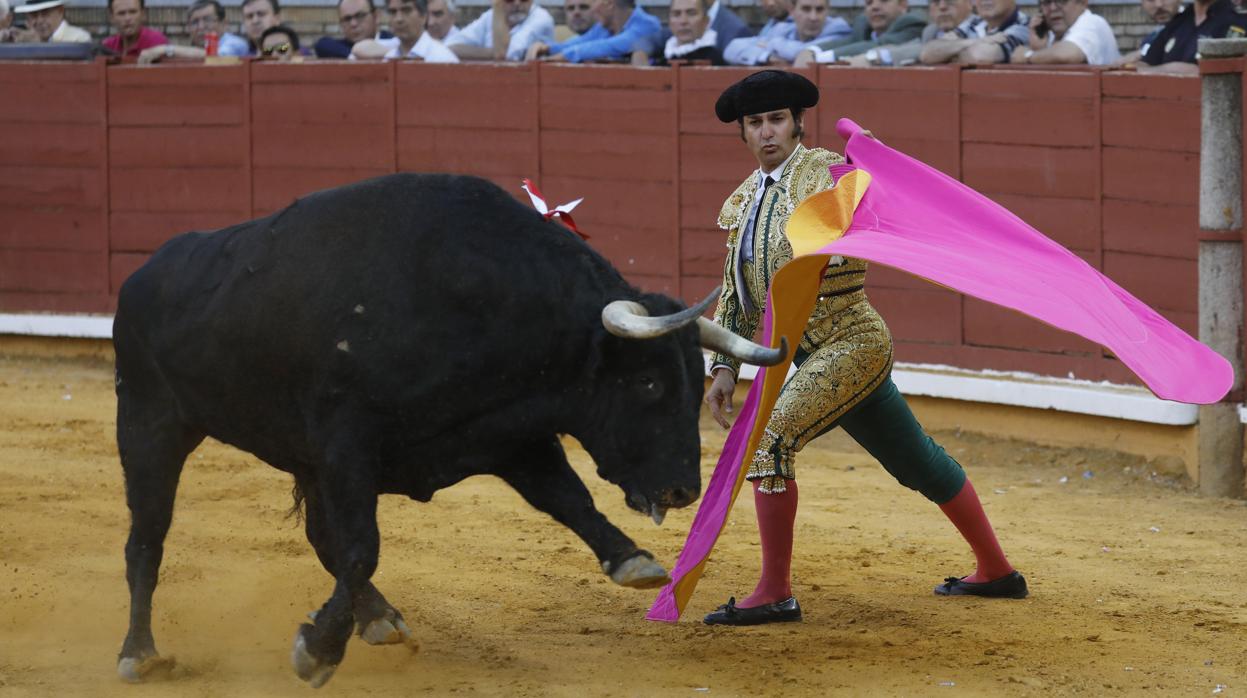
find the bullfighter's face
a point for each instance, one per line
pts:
(771, 136)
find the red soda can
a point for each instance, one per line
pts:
(212, 42)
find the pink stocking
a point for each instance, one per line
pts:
(776, 515)
(966, 513)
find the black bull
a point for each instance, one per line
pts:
(397, 336)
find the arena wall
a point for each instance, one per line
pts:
(102, 163)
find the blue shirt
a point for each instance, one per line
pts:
(641, 32)
(781, 40)
(233, 45)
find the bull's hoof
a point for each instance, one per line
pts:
(139, 669)
(307, 667)
(638, 572)
(390, 631)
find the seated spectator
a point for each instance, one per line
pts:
(411, 40)
(622, 28)
(257, 16)
(945, 16)
(1160, 12)
(204, 16)
(1176, 47)
(727, 25)
(358, 20)
(46, 18)
(1066, 32)
(781, 44)
(990, 37)
(692, 39)
(884, 23)
(504, 32)
(440, 23)
(279, 43)
(577, 19)
(208, 17)
(132, 38)
(10, 33)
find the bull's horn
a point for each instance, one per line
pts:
(725, 341)
(632, 320)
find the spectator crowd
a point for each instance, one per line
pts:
(796, 33)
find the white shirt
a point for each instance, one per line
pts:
(713, 12)
(1092, 34)
(69, 33)
(537, 26)
(426, 47)
(674, 49)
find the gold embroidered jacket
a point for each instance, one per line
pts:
(740, 309)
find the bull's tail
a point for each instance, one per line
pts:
(296, 509)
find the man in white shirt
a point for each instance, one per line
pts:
(1065, 31)
(440, 20)
(46, 18)
(410, 39)
(504, 32)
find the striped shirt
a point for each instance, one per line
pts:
(1017, 28)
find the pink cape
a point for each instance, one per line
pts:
(891, 209)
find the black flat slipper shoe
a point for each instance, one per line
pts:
(1010, 586)
(786, 611)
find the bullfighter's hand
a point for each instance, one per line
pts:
(719, 396)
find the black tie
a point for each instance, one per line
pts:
(757, 215)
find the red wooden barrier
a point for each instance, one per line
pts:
(469, 119)
(608, 133)
(53, 188)
(178, 156)
(318, 126)
(100, 166)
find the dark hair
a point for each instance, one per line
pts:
(290, 34)
(422, 6)
(200, 4)
(271, 3)
(796, 119)
(142, 5)
(371, 8)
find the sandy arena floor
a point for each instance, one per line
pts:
(1135, 581)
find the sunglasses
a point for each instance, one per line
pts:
(582, 8)
(279, 50)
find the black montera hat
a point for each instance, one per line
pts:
(763, 91)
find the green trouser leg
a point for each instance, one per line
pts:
(884, 425)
